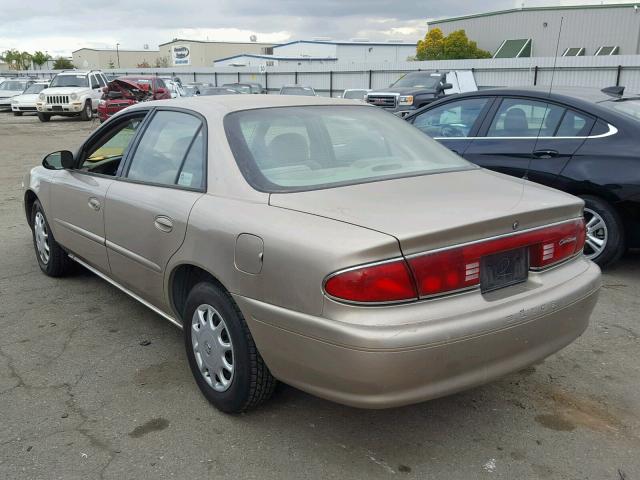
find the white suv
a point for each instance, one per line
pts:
(71, 93)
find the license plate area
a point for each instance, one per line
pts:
(503, 269)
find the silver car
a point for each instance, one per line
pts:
(12, 88)
(316, 241)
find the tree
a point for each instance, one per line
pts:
(112, 64)
(62, 63)
(162, 62)
(456, 45)
(13, 58)
(38, 58)
(432, 47)
(144, 64)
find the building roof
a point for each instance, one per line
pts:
(345, 42)
(176, 40)
(114, 50)
(533, 9)
(275, 57)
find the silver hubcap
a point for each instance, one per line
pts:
(212, 347)
(42, 238)
(597, 234)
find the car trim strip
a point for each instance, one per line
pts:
(127, 291)
(80, 231)
(134, 256)
(612, 131)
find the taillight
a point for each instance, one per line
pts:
(374, 283)
(452, 269)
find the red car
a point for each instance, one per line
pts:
(124, 91)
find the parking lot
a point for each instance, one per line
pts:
(94, 385)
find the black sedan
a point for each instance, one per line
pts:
(583, 141)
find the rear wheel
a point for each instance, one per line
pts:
(605, 234)
(44, 117)
(222, 355)
(87, 111)
(52, 259)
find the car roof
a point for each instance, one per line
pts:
(230, 103)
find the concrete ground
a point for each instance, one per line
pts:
(94, 385)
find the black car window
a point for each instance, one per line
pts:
(518, 117)
(104, 156)
(600, 128)
(164, 149)
(574, 124)
(453, 119)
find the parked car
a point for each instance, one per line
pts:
(12, 88)
(578, 140)
(206, 91)
(417, 89)
(297, 90)
(319, 242)
(72, 93)
(126, 91)
(246, 87)
(27, 101)
(355, 94)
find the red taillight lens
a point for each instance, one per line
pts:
(459, 267)
(383, 282)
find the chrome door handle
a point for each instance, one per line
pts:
(164, 224)
(94, 203)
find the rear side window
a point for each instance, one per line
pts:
(574, 124)
(525, 118)
(170, 152)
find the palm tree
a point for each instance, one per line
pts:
(24, 61)
(40, 58)
(10, 57)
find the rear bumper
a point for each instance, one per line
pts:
(371, 366)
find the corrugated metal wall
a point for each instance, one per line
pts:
(586, 71)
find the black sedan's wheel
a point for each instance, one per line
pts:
(222, 355)
(605, 236)
(52, 259)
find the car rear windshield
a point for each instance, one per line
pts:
(70, 81)
(630, 108)
(418, 80)
(284, 149)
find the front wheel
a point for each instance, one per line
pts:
(222, 354)
(44, 117)
(605, 233)
(17, 114)
(52, 259)
(87, 111)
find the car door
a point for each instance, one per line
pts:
(453, 123)
(78, 195)
(147, 211)
(507, 139)
(553, 150)
(96, 90)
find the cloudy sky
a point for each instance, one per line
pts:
(61, 26)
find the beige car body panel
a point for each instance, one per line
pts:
(272, 252)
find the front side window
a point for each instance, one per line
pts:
(104, 156)
(525, 118)
(311, 147)
(453, 119)
(170, 152)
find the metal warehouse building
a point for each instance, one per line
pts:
(612, 29)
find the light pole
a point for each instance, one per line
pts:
(118, 53)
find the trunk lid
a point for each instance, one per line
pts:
(433, 211)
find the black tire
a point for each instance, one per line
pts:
(17, 114)
(614, 246)
(58, 264)
(44, 117)
(252, 382)
(87, 111)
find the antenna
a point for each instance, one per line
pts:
(555, 59)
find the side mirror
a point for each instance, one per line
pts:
(446, 86)
(59, 160)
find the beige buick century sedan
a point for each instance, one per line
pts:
(326, 244)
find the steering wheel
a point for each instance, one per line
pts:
(451, 131)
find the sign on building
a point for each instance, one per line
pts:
(181, 55)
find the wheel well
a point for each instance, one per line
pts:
(183, 279)
(29, 199)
